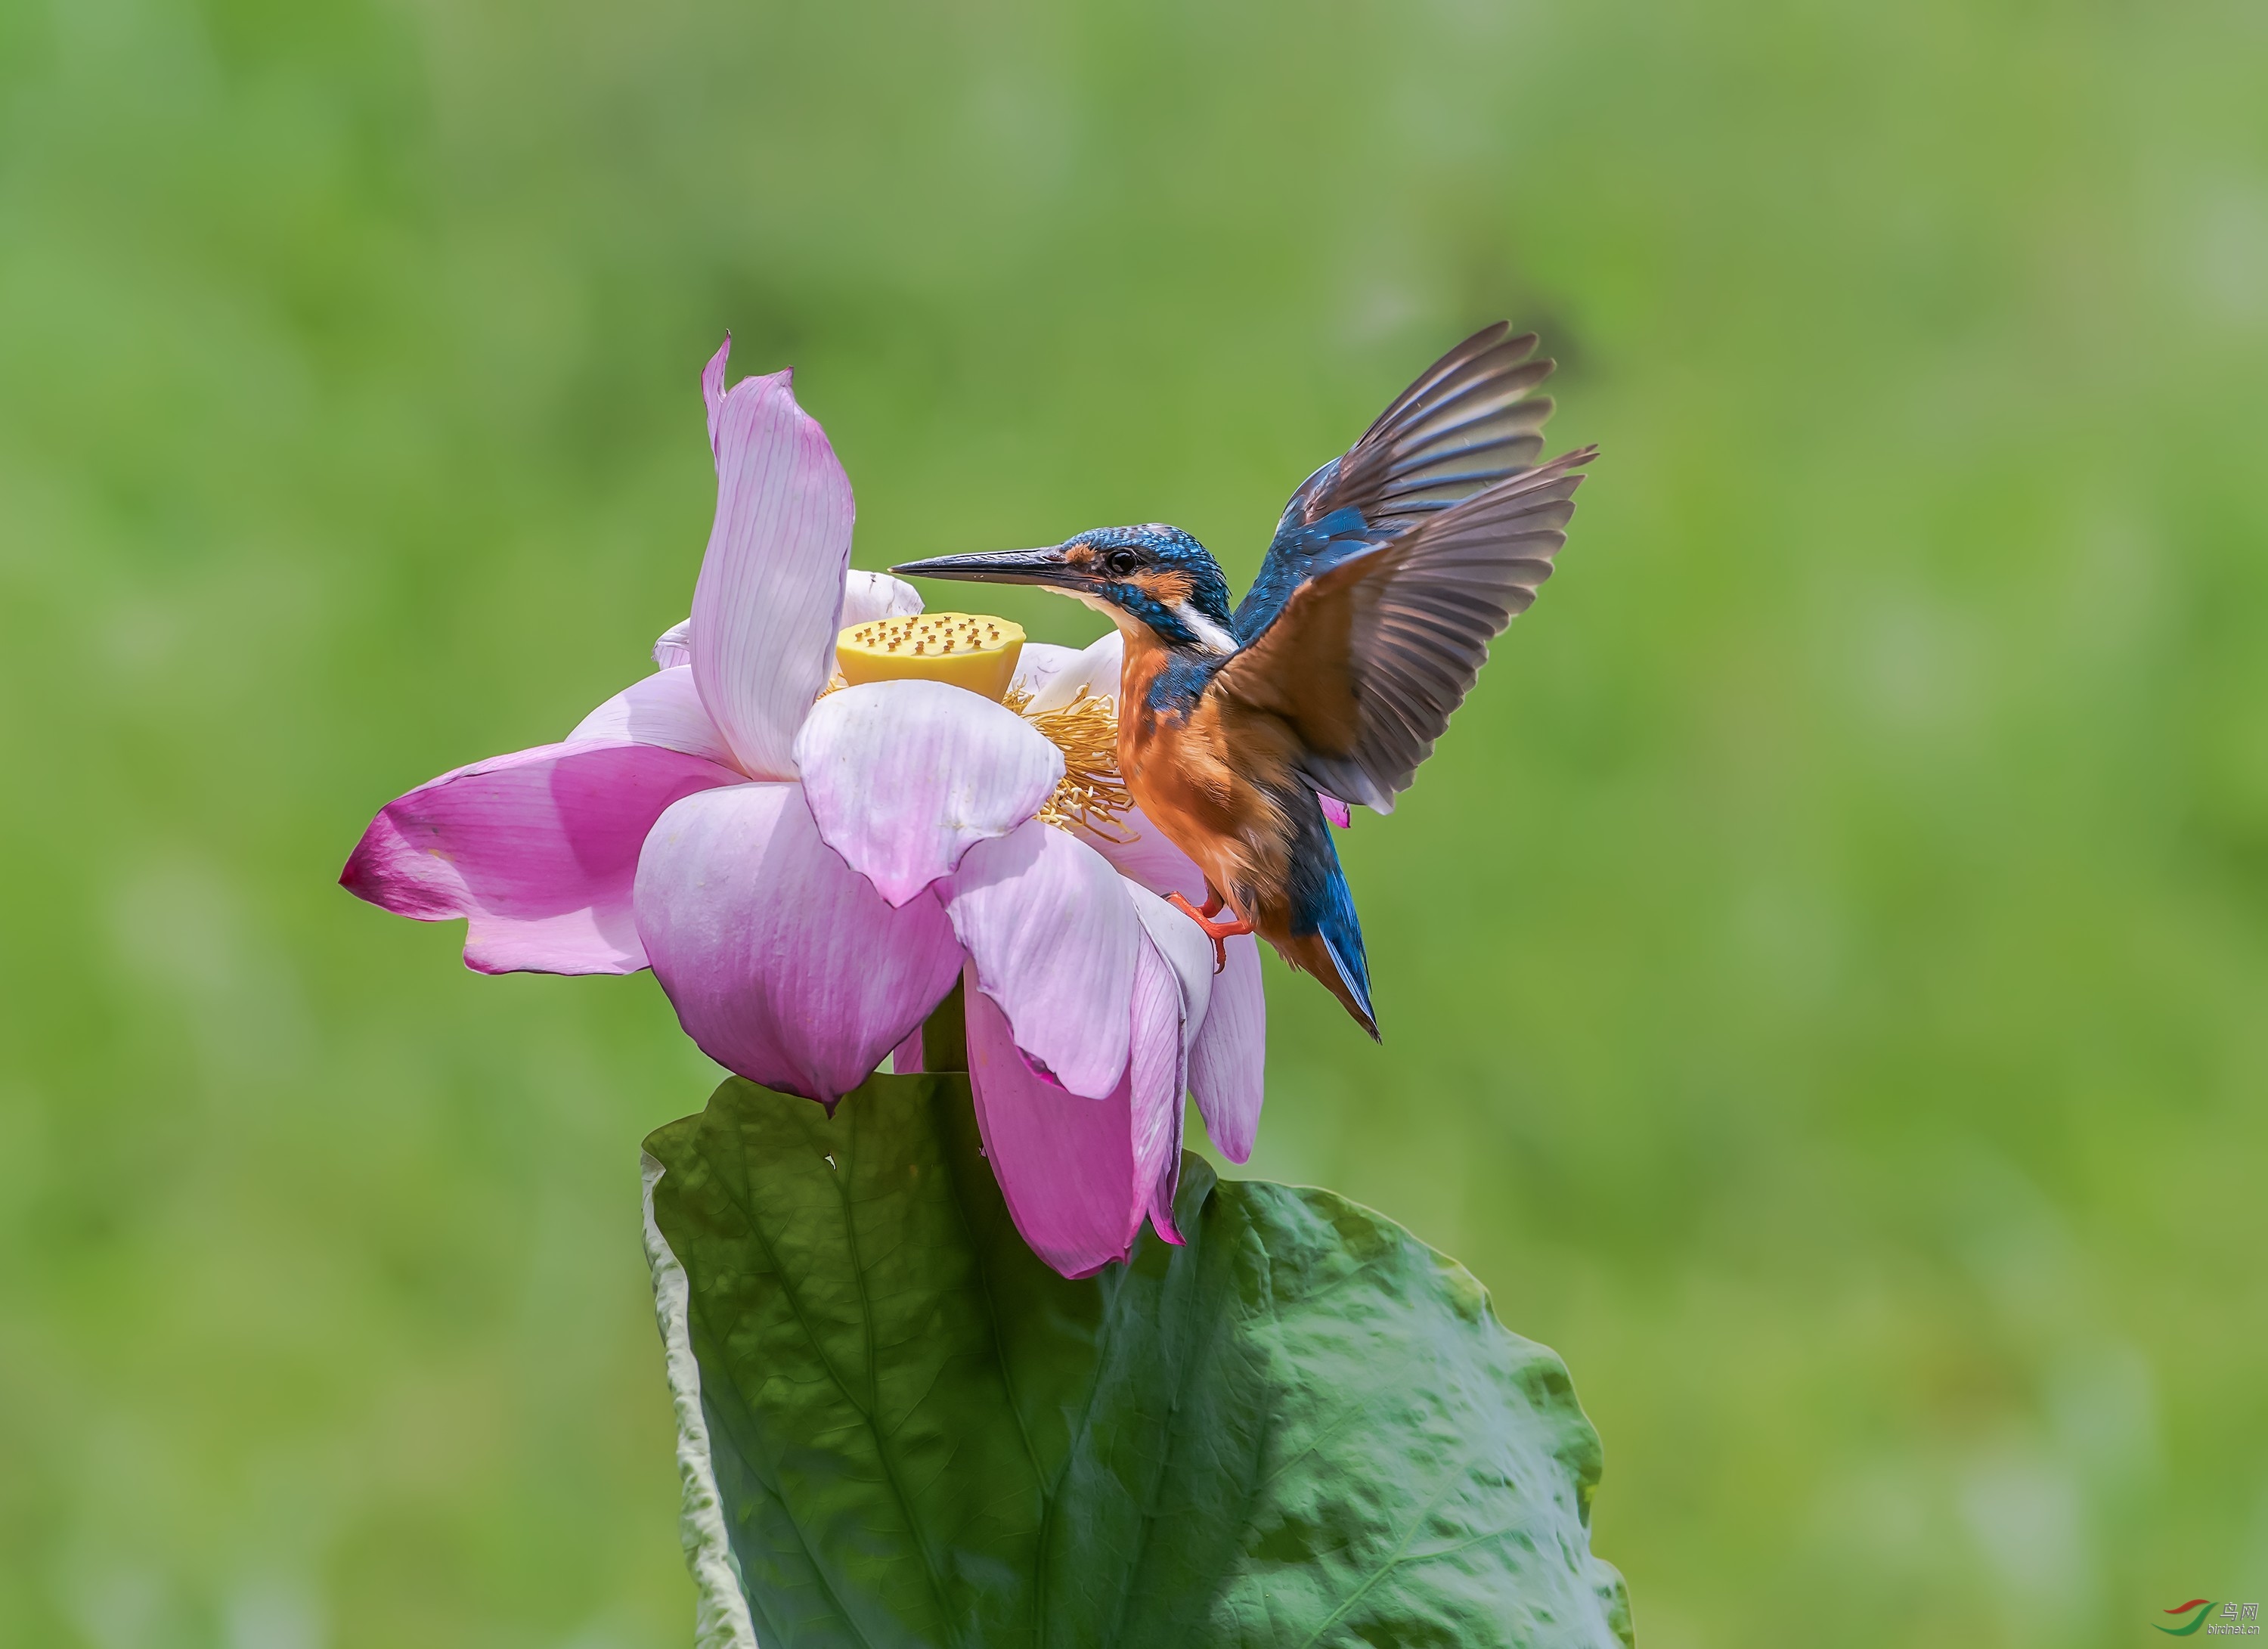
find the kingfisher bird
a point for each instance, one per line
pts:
(1392, 569)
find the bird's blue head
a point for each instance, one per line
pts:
(1153, 575)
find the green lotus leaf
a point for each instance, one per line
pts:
(898, 1428)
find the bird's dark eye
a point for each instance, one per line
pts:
(1121, 563)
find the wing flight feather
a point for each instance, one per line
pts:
(1466, 424)
(1367, 659)
(1470, 421)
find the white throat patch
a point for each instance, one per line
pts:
(1211, 636)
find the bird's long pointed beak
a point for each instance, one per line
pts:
(998, 566)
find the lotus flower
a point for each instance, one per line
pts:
(809, 873)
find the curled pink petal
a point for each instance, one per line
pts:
(664, 708)
(1065, 1165)
(906, 1057)
(783, 962)
(1095, 668)
(537, 851)
(1048, 927)
(1157, 1073)
(1182, 947)
(1336, 811)
(770, 590)
(902, 776)
(867, 596)
(1141, 853)
(1228, 1062)
(675, 645)
(1176, 950)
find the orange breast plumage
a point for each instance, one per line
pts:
(1206, 784)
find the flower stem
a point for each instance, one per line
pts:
(945, 1034)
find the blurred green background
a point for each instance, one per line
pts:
(1824, 972)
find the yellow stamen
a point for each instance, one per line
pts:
(1091, 791)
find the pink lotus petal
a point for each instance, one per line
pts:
(675, 645)
(663, 708)
(1065, 1165)
(1336, 811)
(1228, 1062)
(783, 962)
(1048, 925)
(906, 1057)
(1145, 856)
(770, 591)
(903, 777)
(1095, 668)
(1157, 1075)
(1182, 947)
(712, 387)
(537, 851)
(1177, 947)
(867, 596)
(1038, 663)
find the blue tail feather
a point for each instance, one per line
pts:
(1322, 903)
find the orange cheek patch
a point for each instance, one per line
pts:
(1167, 589)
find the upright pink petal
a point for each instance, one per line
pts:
(662, 709)
(1142, 853)
(1336, 811)
(867, 596)
(783, 962)
(1228, 1062)
(1048, 925)
(1096, 669)
(536, 850)
(712, 387)
(770, 591)
(1065, 1165)
(902, 776)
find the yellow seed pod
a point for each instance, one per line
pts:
(970, 650)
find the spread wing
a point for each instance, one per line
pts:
(1368, 658)
(1469, 421)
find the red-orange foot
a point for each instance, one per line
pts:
(1219, 933)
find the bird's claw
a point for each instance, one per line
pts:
(1219, 933)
